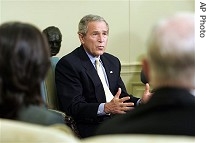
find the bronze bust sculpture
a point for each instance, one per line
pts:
(54, 38)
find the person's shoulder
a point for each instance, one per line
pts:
(68, 58)
(111, 57)
(111, 60)
(72, 55)
(39, 115)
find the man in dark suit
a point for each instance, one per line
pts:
(79, 87)
(170, 66)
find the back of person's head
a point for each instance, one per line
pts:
(171, 52)
(54, 38)
(24, 62)
(83, 24)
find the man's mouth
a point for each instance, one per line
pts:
(100, 47)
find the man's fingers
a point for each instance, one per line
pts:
(124, 99)
(147, 87)
(128, 108)
(128, 104)
(123, 110)
(118, 93)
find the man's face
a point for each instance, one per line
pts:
(95, 40)
(54, 40)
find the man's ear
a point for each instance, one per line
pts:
(146, 68)
(81, 38)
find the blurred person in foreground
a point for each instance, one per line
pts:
(170, 66)
(24, 62)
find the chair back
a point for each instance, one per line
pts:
(49, 92)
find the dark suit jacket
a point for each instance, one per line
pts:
(80, 90)
(170, 111)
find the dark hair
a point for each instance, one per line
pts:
(24, 61)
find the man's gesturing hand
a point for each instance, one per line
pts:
(117, 105)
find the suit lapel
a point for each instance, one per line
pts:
(92, 73)
(109, 70)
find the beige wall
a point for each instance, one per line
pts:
(130, 22)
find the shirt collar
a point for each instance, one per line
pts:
(92, 58)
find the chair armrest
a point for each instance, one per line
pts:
(69, 121)
(59, 112)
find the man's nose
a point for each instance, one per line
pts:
(101, 38)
